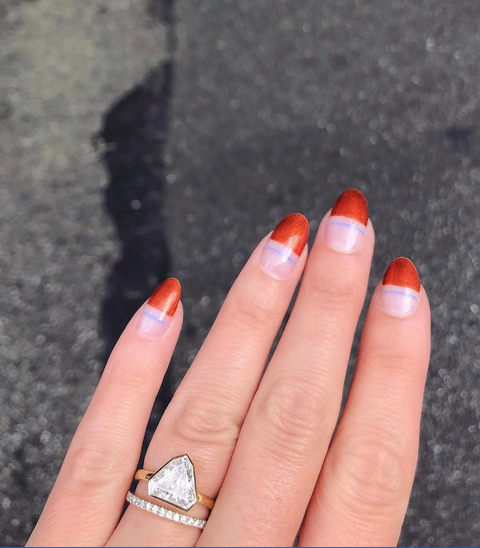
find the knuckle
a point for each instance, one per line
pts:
(293, 416)
(132, 384)
(90, 468)
(338, 292)
(128, 372)
(207, 423)
(254, 311)
(401, 365)
(373, 476)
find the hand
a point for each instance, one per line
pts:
(266, 446)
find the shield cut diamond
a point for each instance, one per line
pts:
(175, 483)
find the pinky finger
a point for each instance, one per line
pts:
(89, 495)
(363, 490)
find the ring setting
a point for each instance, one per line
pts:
(175, 484)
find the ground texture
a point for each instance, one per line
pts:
(141, 139)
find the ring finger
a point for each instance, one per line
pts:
(207, 411)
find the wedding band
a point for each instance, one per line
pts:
(164, 513)
(175, 484)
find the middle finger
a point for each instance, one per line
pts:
(287, 431)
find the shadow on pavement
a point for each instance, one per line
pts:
(135, 131)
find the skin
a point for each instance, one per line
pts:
(263, 446)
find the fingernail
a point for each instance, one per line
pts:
(400, 291)
(157, 313)
(282, 250)
(347, 224)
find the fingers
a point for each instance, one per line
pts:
(88, 497)
(288, 428)
(363, 491)
(206, 414)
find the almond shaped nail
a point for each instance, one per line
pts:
(400, 291)
(282, 250)
(156, 315)
(346, 227)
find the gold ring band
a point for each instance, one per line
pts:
(164, 512)
(175, 484)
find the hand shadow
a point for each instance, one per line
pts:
(134, 132)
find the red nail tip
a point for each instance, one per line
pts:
(165, 298)
(292, 232)
(352, 203)
(402, 272)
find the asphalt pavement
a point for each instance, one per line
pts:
(143, 139)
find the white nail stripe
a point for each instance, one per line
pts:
(401, 293)
(348, 225)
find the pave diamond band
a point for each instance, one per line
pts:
(175, 484)
(164, 512)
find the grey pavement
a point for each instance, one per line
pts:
(141, 139)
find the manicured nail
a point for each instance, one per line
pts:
(400, 291)
(157, 313)
(347, 224)
(282, 250)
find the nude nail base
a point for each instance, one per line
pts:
(398, 300)
(278, 260)
(153, 322)
(345, 234)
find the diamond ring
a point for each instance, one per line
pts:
(164, 512)
(175, 484)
